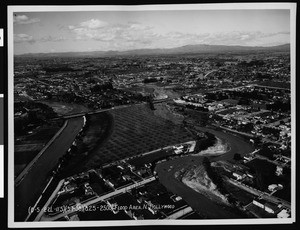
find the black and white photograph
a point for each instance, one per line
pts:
(178, 114)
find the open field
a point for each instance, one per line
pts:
(40, 135)
(137, 130)
(98, 130)
(27, 147)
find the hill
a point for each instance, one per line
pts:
(188, 49)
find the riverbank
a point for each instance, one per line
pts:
(197, 178)
(236, 144)
(31, 185)
(219, 148)
(207, 207)
(186, 177)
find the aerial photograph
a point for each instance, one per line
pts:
(135, 114)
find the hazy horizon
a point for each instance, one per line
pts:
(58, 52)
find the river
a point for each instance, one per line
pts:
(32, 185)
(204, 205)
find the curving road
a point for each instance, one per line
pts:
(33, 183)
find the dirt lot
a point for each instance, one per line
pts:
(62, 108)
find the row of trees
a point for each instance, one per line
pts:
(204, 143)
(218, 181)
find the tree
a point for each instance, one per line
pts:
(206, 161)
(237, 157)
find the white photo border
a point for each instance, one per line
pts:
(224, 6)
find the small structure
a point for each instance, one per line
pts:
(283, 214)
(250, 175)
(279, 170)
(178, 149)
(268, 207)
(271, 208)
(247, 158)
(239, 175)
(272, 187)
(109, 183)
(259, 203)
(87, 189)
(132, 167)
(176, 198)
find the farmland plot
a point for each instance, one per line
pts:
(137, 130)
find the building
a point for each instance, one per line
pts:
(250, 175)
(259, 203)
(271, 208)
(279, 170)
(283, 214)
(272, 187)
(239, 175)
(268, 207)
(247, 158)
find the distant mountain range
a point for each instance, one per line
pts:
(188, 49)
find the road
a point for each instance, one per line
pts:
(32, 184)
(180, 213)
(261, 194)
(271, 87)
(96, 200)
(109, 109)
(95, 111)
(234, 131)
(21, 176)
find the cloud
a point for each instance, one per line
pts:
(243, 38)
(52, 39)
(23, 19)
(18, 38)
(134, 35)
(123, 36)
(93, 24)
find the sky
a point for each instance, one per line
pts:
(45, 32)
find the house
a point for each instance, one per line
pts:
(176, 198)
(239, 175)
(270, 208)
(132, 167)
(272, 187)
(259, 203)
(178, 151)
(247, 158)
(250, 175)
(283, 214)
(126, 177)
(109, 183)
(279, 170)
(87, 189)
